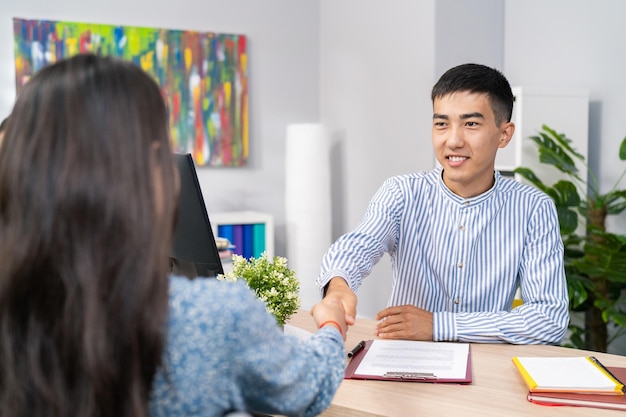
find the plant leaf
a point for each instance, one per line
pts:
(529, 175)
(577, 292)
(576, 337)
(622, 150)
(568, 220)
(605, 256)
(615, 202)
(567, 194)
(560, 161)
(564, 142)
(619, 318)
(566, 200)
(553, 150)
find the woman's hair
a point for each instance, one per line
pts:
(87, 205)
(3, 124)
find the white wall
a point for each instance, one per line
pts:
(283, 73)
(469, 31)
(377, 65)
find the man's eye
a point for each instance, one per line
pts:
(471, 124)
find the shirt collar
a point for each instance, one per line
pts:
(467, 201)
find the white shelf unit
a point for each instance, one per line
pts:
(246, 217)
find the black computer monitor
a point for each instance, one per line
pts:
(194, 253)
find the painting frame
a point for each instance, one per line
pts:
(203, 77)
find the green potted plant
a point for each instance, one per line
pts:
(272, 281)
(595, 262)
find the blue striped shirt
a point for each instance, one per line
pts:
(463, 259)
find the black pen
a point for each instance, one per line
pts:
(609, 373)
(356, 349)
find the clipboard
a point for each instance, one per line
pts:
(353, 365)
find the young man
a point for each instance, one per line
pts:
(461, 237)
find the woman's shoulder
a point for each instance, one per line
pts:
(206, 310)
(209, 295)
(203, 337)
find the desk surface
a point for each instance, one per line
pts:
(497, 389)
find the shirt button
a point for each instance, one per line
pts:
(456, 301)
(462, 228)
(460, 264)
(467, 203)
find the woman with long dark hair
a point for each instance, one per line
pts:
(2, 127)
(90, 324)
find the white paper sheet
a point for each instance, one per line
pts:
(443, 360)
(297, 332)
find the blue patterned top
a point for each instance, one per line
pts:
(463, 259)
(224, 352)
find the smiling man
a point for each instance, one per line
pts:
(462, 238)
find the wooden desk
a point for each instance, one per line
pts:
(497, 389)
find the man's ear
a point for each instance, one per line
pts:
(507, 134)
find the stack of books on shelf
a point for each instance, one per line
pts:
(247, 240)
(575, 381)
(224, 248)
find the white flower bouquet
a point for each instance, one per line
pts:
(272, 281)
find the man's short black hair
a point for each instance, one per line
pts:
(479, 79)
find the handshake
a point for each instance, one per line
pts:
(337, 307)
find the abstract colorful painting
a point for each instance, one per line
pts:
(203, 77)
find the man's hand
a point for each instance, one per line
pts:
(338, 290)
(405, 322)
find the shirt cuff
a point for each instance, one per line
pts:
(323, 280)
(444, 327)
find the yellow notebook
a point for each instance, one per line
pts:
(582, 374)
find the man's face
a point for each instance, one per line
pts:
(465, 139)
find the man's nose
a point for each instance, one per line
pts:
(455, 138)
